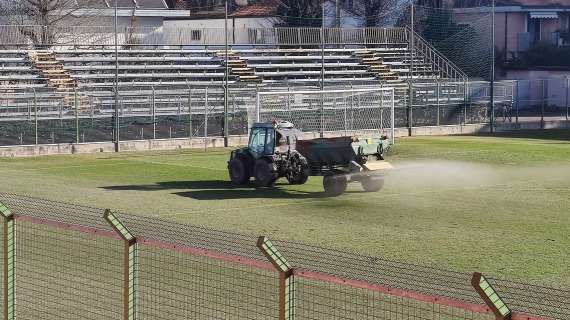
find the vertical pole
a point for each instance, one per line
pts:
(286, 278)
(117, 121)
(492, 93)
(257, 108)
(227, 71)
(438, 88)
(36, 117)
(129, 264)
(8, 265)
(411, 84)
(190, 113)
(567, 97)
(322, 115)
(393, 139)
(206, 103)
(516, 94)
(543, 100)
(76, 100)
(153, 102)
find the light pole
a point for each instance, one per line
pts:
(322, 69)
(116, 122)
(492, 88)
(226, 122)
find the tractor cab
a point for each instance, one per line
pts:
(266, 139)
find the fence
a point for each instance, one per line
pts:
(62, 261)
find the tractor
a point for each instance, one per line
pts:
(276, 150)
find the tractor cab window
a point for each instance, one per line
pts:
(262, 141)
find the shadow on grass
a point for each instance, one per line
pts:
(220, 190)
(549, 134)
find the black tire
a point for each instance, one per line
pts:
(372, 184)
(238, 171)
(300, 173)
(265, 173)
(334, 185)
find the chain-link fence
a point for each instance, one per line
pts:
(62, 261)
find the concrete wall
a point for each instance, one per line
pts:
(176, 144)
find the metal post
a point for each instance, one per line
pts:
(153, 102)
(516, 94)
(129, 264)
(190, 113)
(36, 117)
(286, 279)
(543, 100)
(227, 74)
(117, 121)
(492, 93)
(322, 116)
(76, 99)
(567, 97)
(8, 265)
(438, 88)
(393, 140)
(411, 84)
(206, 103)
(491, 297)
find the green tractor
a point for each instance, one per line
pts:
(276, 150)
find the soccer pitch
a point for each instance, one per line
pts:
(499, 205)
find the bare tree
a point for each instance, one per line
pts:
(372, 13)
(39, 21)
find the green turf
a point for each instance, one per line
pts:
(498, 205)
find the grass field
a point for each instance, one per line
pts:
(499, 205)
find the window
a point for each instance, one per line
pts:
(196, 35)
(262, 141)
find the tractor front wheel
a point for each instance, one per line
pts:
(265, 173)
(372, 184)
(334, 185)
(239, 175)
(298, 172)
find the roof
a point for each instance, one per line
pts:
(267, 8)
(139, 4)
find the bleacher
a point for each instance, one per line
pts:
(17, 72)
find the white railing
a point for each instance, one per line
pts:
(25, 36)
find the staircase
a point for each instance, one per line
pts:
(375, 65)
(238, 67)
(52, 70)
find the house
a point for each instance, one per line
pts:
(206, 21)
(520, 24)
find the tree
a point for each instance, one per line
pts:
(39, 20)
(372, 13)
(300, 13)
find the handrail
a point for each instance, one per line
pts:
(419, 41)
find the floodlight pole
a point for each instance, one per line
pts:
(492, 89)
(116, 122)
(226, 120)
(321, 133)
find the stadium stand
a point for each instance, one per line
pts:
(17, 72)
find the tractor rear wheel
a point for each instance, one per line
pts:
(239, 173)
(298, 170)
(372, 184)
(265, 173)
(334, 185)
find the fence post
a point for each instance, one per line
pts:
(438, 101)
(36, 116)
(76, 100)
(490, 296)
(190, 114)
(153, 101)
(129, 259)
(9, 254)
(206, 106)
(543, 82)
(516, 98)
(286, 279)
(567, 98)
